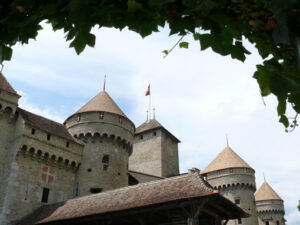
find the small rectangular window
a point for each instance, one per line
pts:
(101, 116)
(141, 137)
(33, 131)
(45, 195)
(120, 120)
(67, 144)
(105, 159)
(277, 222)
(48, 137)
(239, 221)
(267, 222)
(237, 201)
(154, 133)
(95, 190)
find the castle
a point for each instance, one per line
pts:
(97, 149)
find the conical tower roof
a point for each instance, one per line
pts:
(102, 102)
(225, 160)
(5, 85)
(266, 192)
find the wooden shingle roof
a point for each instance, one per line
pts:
(45, 124)
(102, 102)
(152, 125)
(266, 192)
(5, 85)
(152, 193)
(225, 160)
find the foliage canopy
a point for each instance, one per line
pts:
(273, 26)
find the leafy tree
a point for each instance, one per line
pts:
(273, 26)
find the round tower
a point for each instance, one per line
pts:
(270, 208)
(107, 135)
(235, 180)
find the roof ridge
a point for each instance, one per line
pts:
(41, 116)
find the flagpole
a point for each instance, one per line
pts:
(150, 105)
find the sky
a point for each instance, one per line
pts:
(199, 96)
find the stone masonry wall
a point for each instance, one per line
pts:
(147, 154)
(234, 184)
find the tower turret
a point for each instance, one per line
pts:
(235, 180)
(270, 208)
(107, 134)
(155, 150)
(8, 98)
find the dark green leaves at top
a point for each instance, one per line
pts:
(81, 40)
(5, 53)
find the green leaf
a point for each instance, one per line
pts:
(81, 40)
(281, 108)
(183, 45)
(5, 53)
(166, 52)
(205, 41)
(196, 36)
(284, 120)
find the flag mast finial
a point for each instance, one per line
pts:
(227, 141)
(147, 115)
(153, 113)
(148, 93)
(264, 177)
(104, 82)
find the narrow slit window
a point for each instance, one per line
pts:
(33, 131)
(101, 116)
(141, 137)
(267, 222)
(120, 120)
(45, 195)
(68, 144)
(78, 118)
(277, 222)
(239, 221)
(154, 133)
(48, 137)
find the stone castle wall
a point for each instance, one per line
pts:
(237, 185)
(107, 145)
(271, 211)
(147, 155)
(155, 152)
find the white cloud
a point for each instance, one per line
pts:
(199, 97)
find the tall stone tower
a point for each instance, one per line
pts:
(9, 136)
(107, 135)
(270, 208)
(155, 150)
(235, 180)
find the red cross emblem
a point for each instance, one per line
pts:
(48, 174)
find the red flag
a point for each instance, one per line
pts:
(148, 91)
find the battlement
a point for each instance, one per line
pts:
(102, 124)
(105, 138)
(49, 158)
